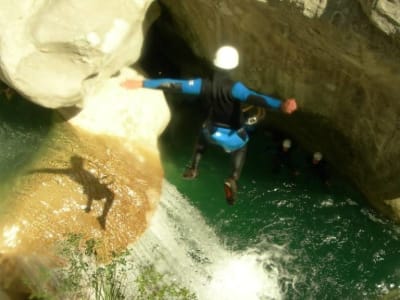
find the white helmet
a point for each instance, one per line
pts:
(286, 143)
(317, 156)
(227, 58)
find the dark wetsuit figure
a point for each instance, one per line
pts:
(222, 98)
(219, 101)
(223, 126)
(320, 169)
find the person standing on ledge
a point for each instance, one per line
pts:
(222, 99)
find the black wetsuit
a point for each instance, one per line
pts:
(222, 98)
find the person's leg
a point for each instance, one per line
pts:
(230, 185)
(199, 149)
(238, 158)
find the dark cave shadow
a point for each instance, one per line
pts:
(92, 186)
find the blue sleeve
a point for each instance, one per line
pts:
(191, 86)
(244, 94)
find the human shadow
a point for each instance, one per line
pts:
(92, 186)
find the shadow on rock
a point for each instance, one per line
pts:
(92, 186)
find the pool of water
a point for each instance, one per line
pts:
(23, 128)
(335, 245)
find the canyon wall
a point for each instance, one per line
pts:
(340, 59)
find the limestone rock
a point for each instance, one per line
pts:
(98, 175)
(385, 14)
(48, 49)
(134, 116)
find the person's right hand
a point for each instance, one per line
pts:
(132, 84)
(289, 106)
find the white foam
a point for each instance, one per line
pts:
(180, 242)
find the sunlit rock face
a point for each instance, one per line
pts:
(340, 59)
(71, 55)
(48, 49)
(98, 175)
(385, 14)
(133, 116)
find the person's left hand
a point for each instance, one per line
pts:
(289, 106)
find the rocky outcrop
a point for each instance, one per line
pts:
(99, 174)
(63, 55)
(338, 58)
(385, 14)
(52, 51)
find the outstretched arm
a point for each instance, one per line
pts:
(244, 94)
(192, 86)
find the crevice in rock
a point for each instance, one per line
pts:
(166, 54)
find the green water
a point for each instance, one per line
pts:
(338, 247)
(23, 128)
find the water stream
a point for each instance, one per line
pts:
(181, 243)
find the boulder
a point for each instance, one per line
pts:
(384, 14)
(99, 174)
(49, 49)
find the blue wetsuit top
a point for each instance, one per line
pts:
(222, 98)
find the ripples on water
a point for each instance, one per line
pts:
(23, 126)
(334, 245)
(340, 246)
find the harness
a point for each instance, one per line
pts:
(227, 138)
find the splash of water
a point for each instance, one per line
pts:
(179, 242)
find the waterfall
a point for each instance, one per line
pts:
(179, 242)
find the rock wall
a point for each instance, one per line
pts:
(50, 51)
(100, 173)
(385, 14)
(340, 59)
